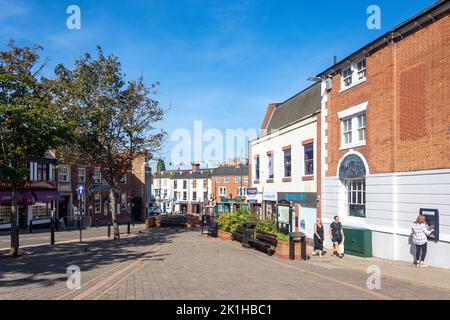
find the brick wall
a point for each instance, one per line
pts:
(408, 114)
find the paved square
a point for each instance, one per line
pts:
(183, 264)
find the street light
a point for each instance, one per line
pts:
(315, 79)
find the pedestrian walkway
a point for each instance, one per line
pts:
(183, 264)
(41, 237)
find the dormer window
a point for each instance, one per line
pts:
(354, 74)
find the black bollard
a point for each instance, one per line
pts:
(30, 227)
(52, 233)
(132, 219)
(17, 236)
(128, 228)
(109, 230)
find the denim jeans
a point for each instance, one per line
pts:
(421, 252)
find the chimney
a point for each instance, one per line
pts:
(334, 60)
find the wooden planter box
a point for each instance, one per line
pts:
(282, 250)
(150, 223)
(223, 235)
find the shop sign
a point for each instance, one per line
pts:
(305, 198)
(270, 196)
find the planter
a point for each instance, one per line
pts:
(150, 223)
(224, 235)
(282, 250)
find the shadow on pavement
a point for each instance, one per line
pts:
(47, 265)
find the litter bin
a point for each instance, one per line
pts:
(249, 229)
(297, 237)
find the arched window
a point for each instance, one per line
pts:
(352, 173)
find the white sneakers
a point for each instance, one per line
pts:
(421, 264)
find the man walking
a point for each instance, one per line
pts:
(336, 236)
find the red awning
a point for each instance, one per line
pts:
(45, 196)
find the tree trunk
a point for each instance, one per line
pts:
(113, 203)
(14, 253)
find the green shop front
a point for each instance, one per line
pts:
(226, 205)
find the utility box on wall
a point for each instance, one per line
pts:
(358, 242)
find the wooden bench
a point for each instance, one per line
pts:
(173, 221)
(238, 234)
(264, 242)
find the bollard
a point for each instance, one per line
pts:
(52, 233)
(81, 230)
(109, 230)
(17, 237)
(128, 228)
(132, 219)
(30, 227)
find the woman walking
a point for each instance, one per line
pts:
(420, 235)
(318, 237)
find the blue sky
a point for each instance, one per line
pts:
(221, 62)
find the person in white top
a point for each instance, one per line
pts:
(420, 235)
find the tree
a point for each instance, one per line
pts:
(30, 124)
(115, 120)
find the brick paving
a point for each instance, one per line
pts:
(166, 264)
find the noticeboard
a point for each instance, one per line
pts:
(284, 214)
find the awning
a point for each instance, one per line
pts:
(27, 198)
(22, 198)
(45, 196)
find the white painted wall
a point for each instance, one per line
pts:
(392, 205)
(292, 135)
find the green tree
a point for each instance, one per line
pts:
(30, 124)
(115, 119)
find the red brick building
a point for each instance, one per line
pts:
(95, 203)
(229, 186)
(386, 136)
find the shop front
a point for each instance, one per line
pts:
(254, 201)
(270, 205)
(35, 203)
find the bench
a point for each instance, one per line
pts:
(238, 234)
(173, 221)
(213, 229)
(264, 242)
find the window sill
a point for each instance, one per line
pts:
(352, 85)
(353, 145)
(269, 180)
(307, 178)
(287, 179)
(256, 182)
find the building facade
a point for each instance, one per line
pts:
(284, 159)
(182, 191)
(38, 196)
(94, 203)
(386, 136)
(230, 182)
